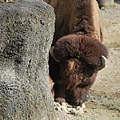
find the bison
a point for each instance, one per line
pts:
(77, 53)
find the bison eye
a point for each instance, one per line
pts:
(88, 71)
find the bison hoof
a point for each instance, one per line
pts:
(60, 100)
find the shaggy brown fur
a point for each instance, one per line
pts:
(84, 48)
(79, 55)
(78, 17)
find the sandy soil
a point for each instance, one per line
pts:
(104, 101)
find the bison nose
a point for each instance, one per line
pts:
(74, 102)
(79, 102)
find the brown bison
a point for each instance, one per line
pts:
(77, 53)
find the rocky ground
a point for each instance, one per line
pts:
(104, 101)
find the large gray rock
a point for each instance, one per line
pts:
(26, 33)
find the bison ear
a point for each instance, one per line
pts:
(52, 54)
(101, 62)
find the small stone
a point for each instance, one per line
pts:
(64, 109)
(78, 107)
(80, 111)
(83, 105)
(57, 104)
(64, 104)
(73, 110)
(57, 108)
(69, 109)
(69, 106)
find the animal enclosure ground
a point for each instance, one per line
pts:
(104, 101)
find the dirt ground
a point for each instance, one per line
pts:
(104, 101)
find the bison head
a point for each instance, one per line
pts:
(80, 58)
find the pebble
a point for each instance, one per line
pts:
(65, 107)
(83, 106)
(64, 104)
(58, 108)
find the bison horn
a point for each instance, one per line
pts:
(52, 54)
(102, 62)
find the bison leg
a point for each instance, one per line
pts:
(59, 89)
(51, 86)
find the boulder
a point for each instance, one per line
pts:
(26, 34)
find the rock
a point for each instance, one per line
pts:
(103, 3)
(72, 111)
(79, 112)
(58, 108)
(64, 109)
(57, 104)
(83, 105)
(64, 104)
(26, 33)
